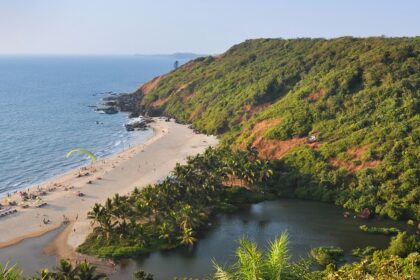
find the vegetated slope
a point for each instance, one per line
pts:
(339, 117)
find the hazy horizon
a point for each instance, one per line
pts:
(161, 27)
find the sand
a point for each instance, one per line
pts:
(136, 167)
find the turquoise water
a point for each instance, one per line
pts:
(44, 111)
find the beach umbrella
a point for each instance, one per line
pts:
(83, 151)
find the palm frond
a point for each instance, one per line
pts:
(221, 273)
(277, 257)
(249, 260)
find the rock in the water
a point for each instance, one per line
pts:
(365, 214)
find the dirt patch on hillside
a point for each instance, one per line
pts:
(357, 152)
(356, 164)
(368, 164)
(273, 148)
(150, 85)
(249, 111)
(276, 149)
(353, 167)
(263, 126)
(159, 102)
(315, 95)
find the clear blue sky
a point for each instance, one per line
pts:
(201, 26)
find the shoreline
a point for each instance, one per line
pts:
(137, 166)
(56, 177)
(63, 179)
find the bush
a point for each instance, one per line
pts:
(327, 255)
(403, 244)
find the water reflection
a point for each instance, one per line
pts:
(309, 224)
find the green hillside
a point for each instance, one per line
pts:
(339, 118)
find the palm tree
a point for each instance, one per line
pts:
(85, 271)
(95, 214)
(44, 274)
(10, 272)
(187, 237)
(165, 231)
(253, 264)
(65, 271)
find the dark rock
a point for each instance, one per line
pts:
(365, 214)
(140, 124)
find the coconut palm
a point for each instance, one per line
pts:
(165, 231)
(10, 272)
(187, 237)
(95, 214)
(65, 271)
(85, 271)
(44, 274)
(253, 264)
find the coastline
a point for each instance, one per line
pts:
(137, 166)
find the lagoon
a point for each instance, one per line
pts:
(308, 223)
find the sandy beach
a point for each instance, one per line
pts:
(120, 173)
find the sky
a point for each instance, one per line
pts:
(199, 26)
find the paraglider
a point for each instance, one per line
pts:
(83, 151)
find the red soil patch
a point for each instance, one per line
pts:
(314, 145)
(357, 152)
(272, 148)
(315, 95)
(368, 164)
(159, 102)
(351, 167)
(150, 85)
(261, 127)
(276, 149)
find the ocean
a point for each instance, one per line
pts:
(44, 111)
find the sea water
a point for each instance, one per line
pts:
(44, 111)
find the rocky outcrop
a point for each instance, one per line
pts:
(140, 123)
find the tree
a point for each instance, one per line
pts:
(403, 244)
(10, 272)
(85, 271)
(187, 237)
(65, 271)
(142, 275)
(254, 264)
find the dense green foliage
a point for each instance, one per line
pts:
(65, 271)
(326, 255)
(173, 212)
(358, 97)
(382, 230)
(363, 252)
(252, 263)
(275, 264)
(401, 260)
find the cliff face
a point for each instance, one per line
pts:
(341, 115)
